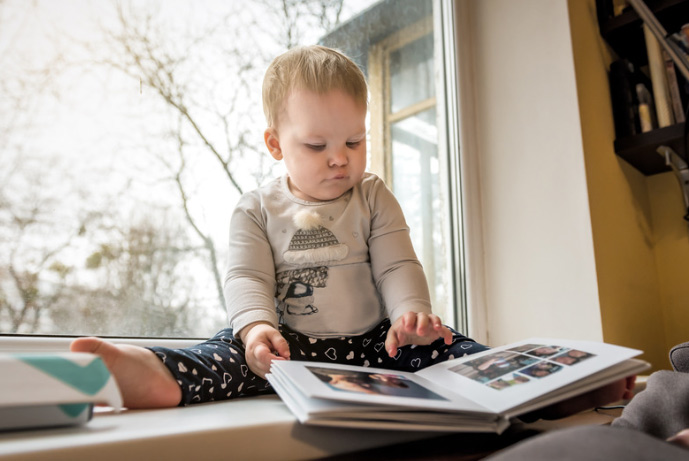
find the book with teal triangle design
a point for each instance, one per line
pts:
(53, 389)
(89, 378)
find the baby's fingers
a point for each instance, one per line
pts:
(423, 325)
(441, 330)
(416, 324)
(430, 327)
(262, 358)
(444, 333)
(280, 346)
(391, 343)
(408, 322)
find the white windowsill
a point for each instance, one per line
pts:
(249, 428)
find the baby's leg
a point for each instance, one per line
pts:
(142, 378)
(162, 377)
(213, 370)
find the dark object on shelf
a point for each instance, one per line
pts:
(624, 104)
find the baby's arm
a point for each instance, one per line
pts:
(263, 344)
(415, 328)
(250, 287)
(399, 276)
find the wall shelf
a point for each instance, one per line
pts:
(640, 150)
(623, 32)
(624, 35)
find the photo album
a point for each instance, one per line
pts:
(475, 393)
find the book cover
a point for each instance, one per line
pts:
(481, 392)
(53, 389)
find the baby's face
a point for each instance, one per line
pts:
(322, 139)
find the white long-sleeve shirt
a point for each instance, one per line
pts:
(339, 270)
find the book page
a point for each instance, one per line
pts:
(506, 377)
(370, 386)
(312, 410)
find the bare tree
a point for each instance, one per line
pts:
(141, 283)
(29, 250)
(110, 270)
(295, 21)
(138, 50)
(32, 276)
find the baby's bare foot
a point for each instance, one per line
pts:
(142, 378)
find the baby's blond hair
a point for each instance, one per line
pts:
(314, 68)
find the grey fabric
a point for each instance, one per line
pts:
(679, 357)
(592, 443)
(662, 409)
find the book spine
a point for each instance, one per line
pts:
(673, 88)
(656, 66)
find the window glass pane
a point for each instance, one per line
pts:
(125, 143)
(417, 182)
(412, 73)
(128, 130)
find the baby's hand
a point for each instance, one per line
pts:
(415, 328)
(263, 345)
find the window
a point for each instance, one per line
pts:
(127, 141)
(408, 123)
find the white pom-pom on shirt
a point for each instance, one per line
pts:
(307, 219)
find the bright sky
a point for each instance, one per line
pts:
(96, 130)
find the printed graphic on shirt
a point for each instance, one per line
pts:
(313, 247)
(295, 290)
(313, 244)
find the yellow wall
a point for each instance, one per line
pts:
(641, 243)
(672, 255)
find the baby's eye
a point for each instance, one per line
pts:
(353, 144)
(316, 147)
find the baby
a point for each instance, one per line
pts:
(321, 266)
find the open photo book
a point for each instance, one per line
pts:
(475, 393)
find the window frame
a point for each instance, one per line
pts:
(452, 32)
(379, 83)
(456, 48)
(449, 42)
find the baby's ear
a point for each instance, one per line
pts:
(270, 136)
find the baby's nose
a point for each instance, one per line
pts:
(339, 157)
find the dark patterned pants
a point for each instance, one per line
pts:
(217, 369)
